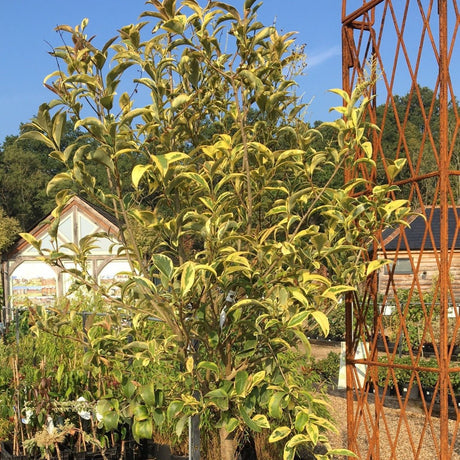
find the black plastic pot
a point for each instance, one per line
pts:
(454, 401)
(428, 349)
(163, 452)
(390, 391)
(131, 450)
(148, 449)
(7, 453)
(404, 391)
(428, 394)
(110, 454)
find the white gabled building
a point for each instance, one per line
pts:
(27, 279)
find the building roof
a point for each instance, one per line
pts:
(424, 231)
(103, 221)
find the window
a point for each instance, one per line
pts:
(402, 267)
(33, 281)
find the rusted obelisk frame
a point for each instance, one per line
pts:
(417, 65)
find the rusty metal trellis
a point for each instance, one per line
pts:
(408, 313)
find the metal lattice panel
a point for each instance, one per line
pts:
(408, 313)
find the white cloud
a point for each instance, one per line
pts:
(316, 59)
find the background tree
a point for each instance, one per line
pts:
(418, 110)
(26, 167)
(9, 231)
(247, 248)
(24, 173)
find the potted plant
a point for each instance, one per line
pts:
(49, 441)
(429, 379)
(385, 381)
(454, 399)
(407, 389)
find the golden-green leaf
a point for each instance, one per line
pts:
(142, 429)
(375, 265)
(175, 25)
(187, 278)
(163, 264)
(31, 240)
(279, 433)
(138, 173)
(249, 421)
(37, 136)
(58, 126)
(59, 180)
(275, 405)
(322, 321)
(298, 319)
(102, 157)
(261, 420)
(189, 364)
(163, 162)
(180, 101)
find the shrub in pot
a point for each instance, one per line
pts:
(385, 380)
(327, 368)
(403, 379)
(454, 399)
(428, 379)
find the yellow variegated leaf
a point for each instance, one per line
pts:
(138, 173)
(189, 364)
(322, 321)
(279, 433)
(375, 265)
(187, 278)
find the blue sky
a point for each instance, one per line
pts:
(28, 33)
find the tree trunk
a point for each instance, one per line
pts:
(227, 445)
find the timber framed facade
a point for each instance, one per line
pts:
(29, 280)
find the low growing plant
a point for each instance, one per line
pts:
(327, 368)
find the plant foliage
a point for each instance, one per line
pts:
(247, 250)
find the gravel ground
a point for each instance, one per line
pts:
(416, 424)
(424, 435)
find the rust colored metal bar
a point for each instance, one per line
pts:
(347, 57)
(361, 40)
(350, 61)
(347, 63)
(359, 12)
(422, 177)
(415, 179)
(444, 231)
